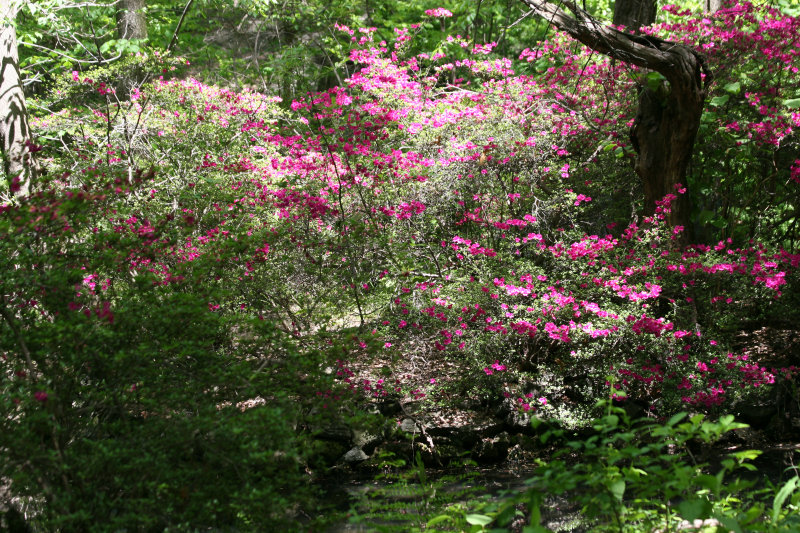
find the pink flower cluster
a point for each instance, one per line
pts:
(494, 367)
(438, 12)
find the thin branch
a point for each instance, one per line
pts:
(330, 60)
(523, 17)
(84, 4)
(80, 42)
(94, 36)
(178, 27)
(25, 43)
(18, 334)
(474, 21)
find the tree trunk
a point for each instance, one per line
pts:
(666, 124)
(712, 6)
(131, 20)
(18, 162)
(633, 14)
(663, 136)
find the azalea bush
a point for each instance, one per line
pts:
(129, 392)
(209, 276)
(510, 265)
(448, 202)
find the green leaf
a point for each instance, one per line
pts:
(691, 510)
(709, 482)
(794, 103)
(719, 223)
(730, 523)
(541, 64)
(439, 519)
(534, 504)
(611, 420)
(617, 488)
(680, 416)
(746, 455)
(535, 529)
(506, 512)
(784, 493)
(696, 419)
(719, 100)
(733, 87)
(478, 519)
(654, 80)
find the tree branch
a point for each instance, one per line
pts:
(644, 51)
(76, 60)
(174, 39)
(20, 339)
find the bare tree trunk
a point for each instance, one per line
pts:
(18, 162)
(633, 14)
(666, 124)
(663, 135)
(712, 6)
(131, 19)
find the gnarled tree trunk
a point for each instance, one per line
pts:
(666, 124)
(633, 14)
(18, 162)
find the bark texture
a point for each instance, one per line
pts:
(18, 162)
(712, 6)
(633, 14)
(131, 19)
(666, 124)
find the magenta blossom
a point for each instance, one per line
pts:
(438, 12)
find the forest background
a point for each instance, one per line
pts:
(246, 243)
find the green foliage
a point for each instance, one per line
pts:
(208, 278)
(285, 48)
(745, 147)
(407, 499)
(624, 475)
(119, 80)
(141, 397)
(643, 475)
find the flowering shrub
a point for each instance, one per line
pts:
(217, 270)
(443, 202)
(634, 286)
(118, 360)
